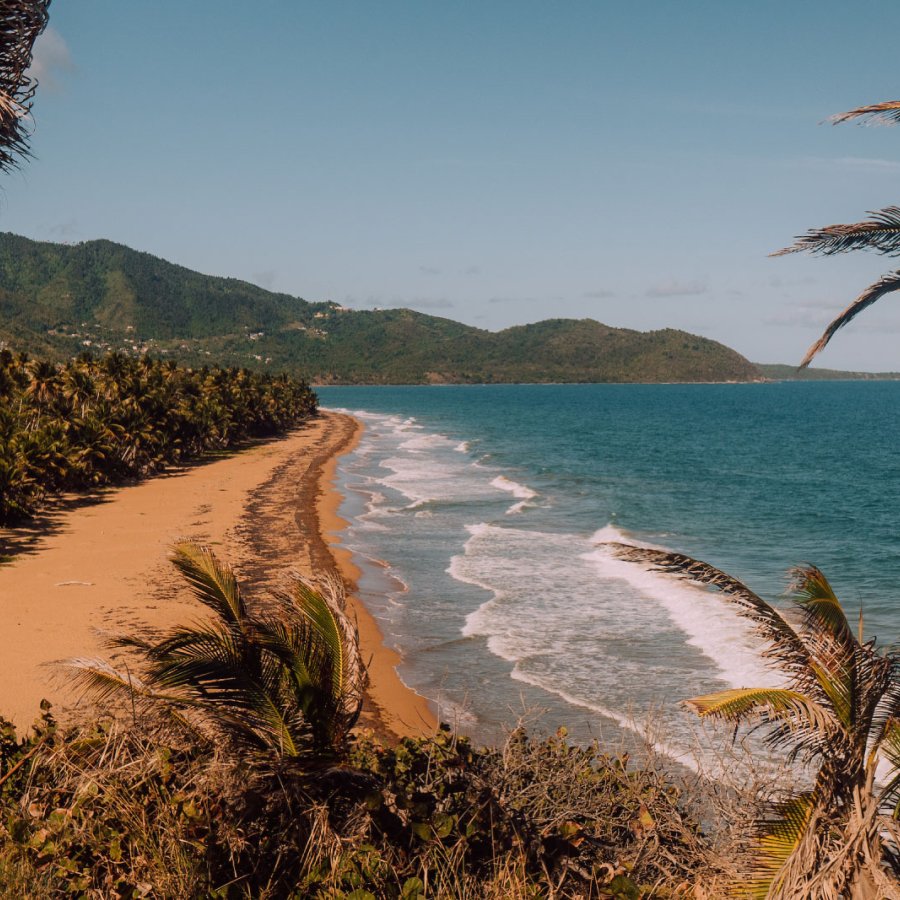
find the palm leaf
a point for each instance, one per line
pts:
(886, 113)
(213, 583)
(788, 648)
(821, 605)
(771, 704)
(21, 21)
(284, 681)
(779, 838)
(885, 285)
(323, 624)
(830, 638)
(880, 233)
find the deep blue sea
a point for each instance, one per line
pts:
(476, 513)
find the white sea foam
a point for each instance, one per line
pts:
(523, 493)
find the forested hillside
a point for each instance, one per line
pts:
(59, 299)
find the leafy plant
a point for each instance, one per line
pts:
(839, 710)
(280, 677)
(880, 233)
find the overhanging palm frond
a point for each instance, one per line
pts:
(21, 21)
(788, 646)
(886, 113)
(885, 285)
(880, 233)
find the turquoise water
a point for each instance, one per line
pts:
(477, 512)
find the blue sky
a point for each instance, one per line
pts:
(492, 162)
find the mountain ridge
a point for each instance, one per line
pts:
(61, 299)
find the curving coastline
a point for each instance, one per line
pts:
(100, 564)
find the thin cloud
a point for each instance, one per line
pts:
(265, 279)
(599, 295)
(66, 229)
(431, 303)
(674, 288)
(859, 163)
(429, 270)
(799, 317)
(51, 61)
(776, 281)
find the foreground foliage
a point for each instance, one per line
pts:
(838, 708)
(94, 422)
(276, 678)
(123, 810)
(21, 22)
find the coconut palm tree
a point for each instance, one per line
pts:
(21, 21)
(880, 233)
(839, 711)
(281, 677)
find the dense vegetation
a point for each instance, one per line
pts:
(56, 299)
(97, 421)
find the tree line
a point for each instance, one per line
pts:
(97, 421)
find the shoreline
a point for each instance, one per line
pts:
(389, 704)
(100, 565)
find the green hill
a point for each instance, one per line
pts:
(59, 299)
(779, 372)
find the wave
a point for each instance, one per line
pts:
(712, 626)
(520, 491)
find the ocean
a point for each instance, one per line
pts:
(478, 515)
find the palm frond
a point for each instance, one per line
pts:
(21, 21)
(779, 838)
(283, 677)
(781, 705)
(322, 621)
(104, 681)
(886, 113)
(820, 603)
(788, 648)
(885, 285)
(881, 233)
(213, 583)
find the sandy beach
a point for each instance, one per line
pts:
(101, 565)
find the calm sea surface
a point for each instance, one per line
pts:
(477, 511)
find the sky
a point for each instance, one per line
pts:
(491, 162)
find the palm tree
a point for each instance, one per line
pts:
(839, 710)
(282, 677)
(880, 233)
(21, 21)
